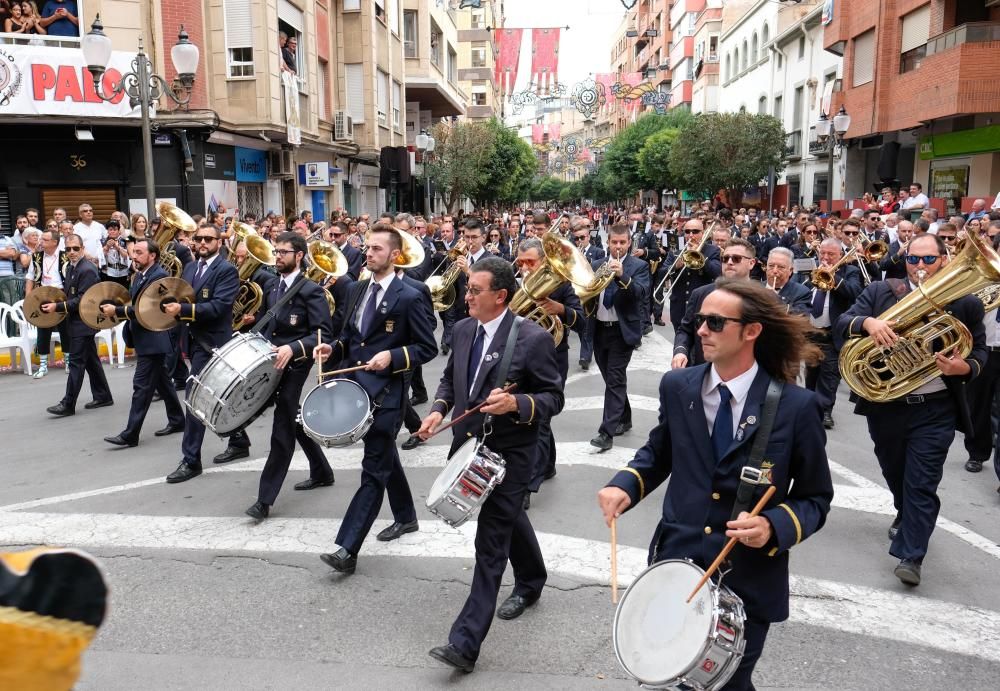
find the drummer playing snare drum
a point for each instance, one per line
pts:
(709, 418)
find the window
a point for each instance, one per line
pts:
(864, 58)
(753, 50)
(354, 91)
(728, 68)
(913, 42)
(239, 39)
(291, 27)
(819, 187)
(736, 62)
(325, 94)
(382, 96)
(394, 16)
(713, 48)
(797, 103)
(479, 54)
(479, 93)
(410, 33)
(781, 61)
(397, 101)
(779, 108)
(746, 55)
(452, 64)
(765, 36)
(802, 47)
(352, 5)
(478, 19)
(437, 39)
(762, 105)
(380, 10)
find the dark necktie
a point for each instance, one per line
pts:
(472, 260)
(369, 313)
(476, 354)
(819, 299)
(282, 287)
(201, 270)
(722, 430)
(998, 316)
(609, 294)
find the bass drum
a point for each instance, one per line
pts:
(235, 386)
(663, 641)
(336, 413)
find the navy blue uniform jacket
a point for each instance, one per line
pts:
(210, 318)
(880, 296)
(295, 323)
(701, 493)
(144, 341)
(78, 280)
(630, 298)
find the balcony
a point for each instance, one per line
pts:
(974, 32)
(816, 148)
(793, 145)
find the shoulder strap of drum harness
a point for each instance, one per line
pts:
(269, 315)
(751, 475)
(504, 368)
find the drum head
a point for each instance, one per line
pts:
(335, 408)
(456, 466)
(658, 636)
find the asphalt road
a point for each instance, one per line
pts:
(203, 598)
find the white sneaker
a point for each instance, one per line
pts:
(40, 372)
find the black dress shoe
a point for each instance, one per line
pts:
(397, 530)
(894, 528)
(313, 484)
(168, 430)
(119, 440)
(908, 571)
(341, 561)
(413, 442)
(231, 454)
(974, 466)
(183, 473)
(448, 655)
(98, 404)
(828, 422)
(514, 606)
(622, 428)
(259, 511)
(60, 410)
(418, 400)
(602, 441)
(660, 322)
(584, 365)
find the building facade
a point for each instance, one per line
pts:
(707, 30)
(477, 60)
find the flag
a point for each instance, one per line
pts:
(544, 59)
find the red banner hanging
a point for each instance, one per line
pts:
(607, 80)
(544, 58)
(537, 134)
(508, 45)
(555, 129)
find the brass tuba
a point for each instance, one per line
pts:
(325, 262)
(259, 252)
(172, 220)
(563, 262)
(442, 286)
(924, 326)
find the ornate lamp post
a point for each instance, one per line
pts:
(831, 133)
(425, 145)
(142, 86)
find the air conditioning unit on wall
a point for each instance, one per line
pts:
(280, 163)
(343, 127)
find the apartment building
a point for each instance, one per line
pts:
(705, 87)
(476, 60)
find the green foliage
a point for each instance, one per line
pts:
(727, 151)
(509, 171)
(462, 155)
(654, 158)
(624, 176)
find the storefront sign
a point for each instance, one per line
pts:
(40, 80)
(209, 160)
(317, 174)
(251, 165)
(950, 184)
(963, 143)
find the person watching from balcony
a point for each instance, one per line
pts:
(60, 18)
(32, 21)
(15, 24)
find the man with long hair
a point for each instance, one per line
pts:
(710, 416)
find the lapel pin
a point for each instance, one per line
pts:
(488, 358)
(752, 420)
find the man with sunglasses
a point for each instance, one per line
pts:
(355, 259)
(645, 247)
(826, 308)
(738, 259)
(691, 279)
(912, 433)
(594, 255)
(80, 276)
(709, 419)
(207, 323)
(48, 267)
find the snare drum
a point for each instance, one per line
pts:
(235, 386)
(662, 641)
(465, 483)
(336, 413)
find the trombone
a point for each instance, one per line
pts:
(694, 259)
(825, 278)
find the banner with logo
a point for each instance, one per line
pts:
(42, 80)
(508, 54)
(544, 58)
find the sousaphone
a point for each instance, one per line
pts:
(33, 306)
(104, 293)
(149, 307)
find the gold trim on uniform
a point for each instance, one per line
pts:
(795, 520)
(406, 354)
(642, 483)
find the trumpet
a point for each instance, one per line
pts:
(873, 250)
(693, 259)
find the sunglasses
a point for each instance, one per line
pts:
(715, 322)
(928, 259)
(204, 238)
(734, 259)
(850, 233)
(73, 249)
(691, 231)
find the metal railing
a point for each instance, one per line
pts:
(973, 32)
(793, 144)
(40, 40)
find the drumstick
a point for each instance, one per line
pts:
(614, 560)
(467, 413)
(319, 364)
(346, 370)
(732, 543)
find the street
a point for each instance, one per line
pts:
(204, 598)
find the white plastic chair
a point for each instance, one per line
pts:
(12, 341)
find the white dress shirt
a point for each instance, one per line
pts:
(823, 321)
(290, 279)
(490, 329)
(93, 239)
(738, 386)
(384, 283)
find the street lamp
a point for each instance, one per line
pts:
(142, 86)
(425, 145)
(830, 134)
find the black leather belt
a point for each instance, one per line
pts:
(917, 399)
(602, 323)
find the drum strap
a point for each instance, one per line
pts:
(750, 475)
(270, 314)
(508, 354)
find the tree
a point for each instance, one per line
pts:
(621, 157)
(727, 151)
(462, 154)
(654, 158)
(509, 170)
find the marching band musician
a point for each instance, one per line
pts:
(644, 247)
(207, 324)
(389, 328)
(692, 278)
(851, 232)
(453, 314)
(666, 247)
(738, 259)
(151, 350)
(912, 434)
(81, 274)
(513, 236)
(763, 242)
(893, 264)
(825, 310)
(617, 332)
(354, 256)
(709, 418)
(503, 531)
(778, 278)
(293, 334)
(564, 305)
(594, 255)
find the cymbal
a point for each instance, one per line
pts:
(104, 293)
(33, 302)
(149, 307)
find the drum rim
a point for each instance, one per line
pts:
(476, 443)
(348, 436)
(703, 651)
(214, 410)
